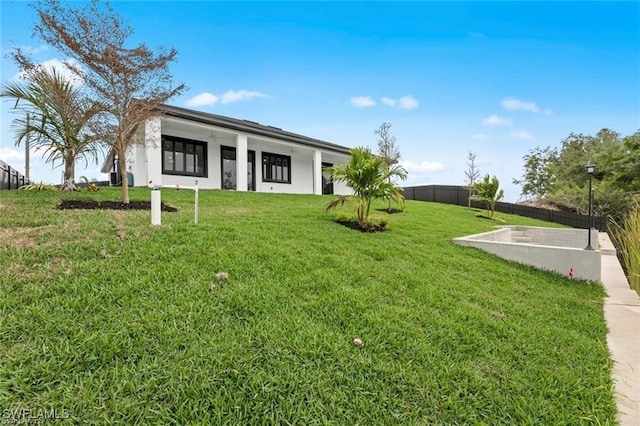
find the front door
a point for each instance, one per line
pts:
(327, 182)
(228, 167)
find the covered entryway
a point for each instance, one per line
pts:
(228, 168)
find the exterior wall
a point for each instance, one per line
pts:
(137, 164)
(341, 189)
(146, 158)
(576, 238)
(586, 264)
(301, 169)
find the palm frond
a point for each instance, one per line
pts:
(55, 115)
(338, 202)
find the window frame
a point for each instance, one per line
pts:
(185, 142)
(271, 167)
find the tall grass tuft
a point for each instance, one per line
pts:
(627, 238)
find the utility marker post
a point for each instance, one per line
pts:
(156, 201)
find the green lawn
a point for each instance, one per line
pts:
(115, 321)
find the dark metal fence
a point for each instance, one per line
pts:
(10, 178)
(459, 195)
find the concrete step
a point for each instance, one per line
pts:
(521, 239)
(605, 245)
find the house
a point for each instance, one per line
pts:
(183, 145)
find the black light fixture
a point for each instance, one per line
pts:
(591, 168)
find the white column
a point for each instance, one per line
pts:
(317, 172)
(153, 147)
(241, 162)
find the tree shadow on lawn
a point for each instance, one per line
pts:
(392, 210)
(111, 205)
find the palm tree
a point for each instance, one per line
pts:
(56, 115)
(488, 193)
(370, 178)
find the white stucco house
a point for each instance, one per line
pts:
(183, 145)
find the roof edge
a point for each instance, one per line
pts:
(249, 127)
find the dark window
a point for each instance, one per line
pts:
(184, 157)
(276, 168)
(327, 181)
(228, 155)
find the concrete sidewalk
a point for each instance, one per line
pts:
(622, 314)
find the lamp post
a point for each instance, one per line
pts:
(590, 169)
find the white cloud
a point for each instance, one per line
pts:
(231, 96)
(522, 135)
(494, 120)
(31, 50)
(407, 102)
(9, 155)
(362, 101)
(422, 167)
(479, 137)
(513, 104)
(203, 99)
(228, 97)
(60, 68)
(388, 101)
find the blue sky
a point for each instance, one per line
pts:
(494, 78)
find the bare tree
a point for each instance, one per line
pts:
(472, 174)
(130, 81)
(387, 149)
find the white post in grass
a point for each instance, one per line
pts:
(197, 200)
(156, 205)
(317, 172)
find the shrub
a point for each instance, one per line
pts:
(91, 186)
(626, 234)
(342, 217)
(39, 187)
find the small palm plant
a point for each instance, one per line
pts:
(487, 191)
(370, 178)
(91, 186)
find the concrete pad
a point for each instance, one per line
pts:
(555, 249)
(622, 314)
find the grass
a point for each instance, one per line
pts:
(114, 321)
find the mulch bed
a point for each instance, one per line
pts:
(357, 227)
(111, 205)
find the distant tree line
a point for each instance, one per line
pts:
(559, 174)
